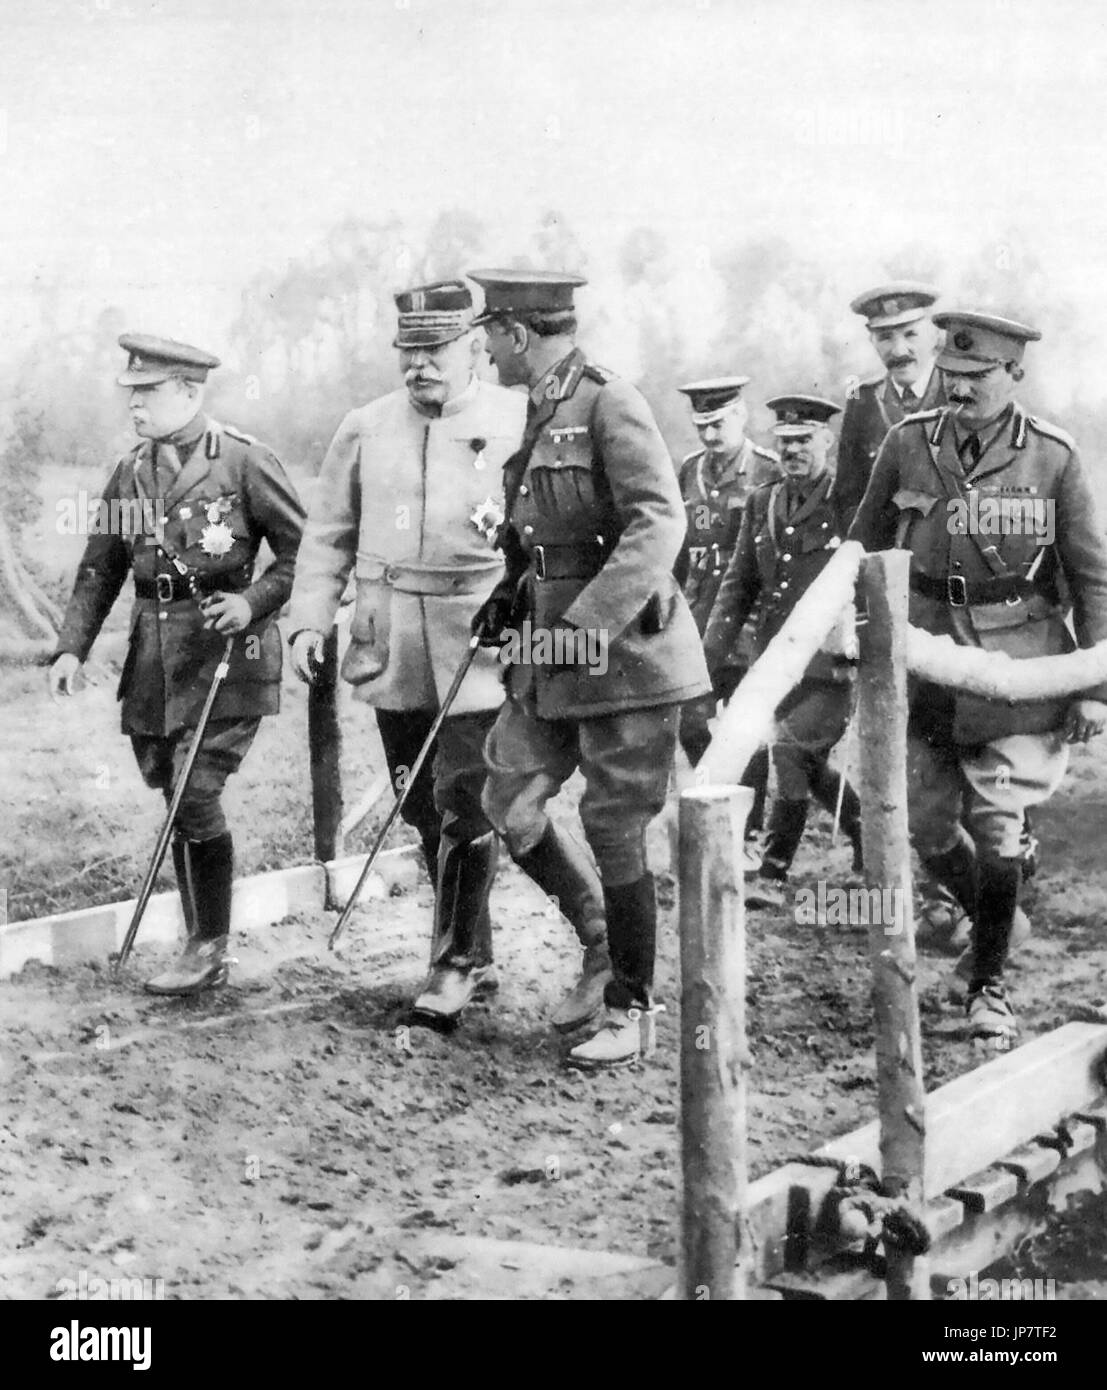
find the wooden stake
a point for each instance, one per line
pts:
(325, 745)
(883, 740)
(714, 1058)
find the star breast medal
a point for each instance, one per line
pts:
(216, 538)
(488, 517)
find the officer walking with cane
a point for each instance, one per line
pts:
(190, 504)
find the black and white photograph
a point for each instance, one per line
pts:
(553, 664)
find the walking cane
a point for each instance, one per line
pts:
(174, 806)
(398, 806)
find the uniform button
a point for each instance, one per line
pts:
(163, 615)
(714, 492)
(784, 583)
(788, 530)
(968, 487)
(528, 530)
(524, 491)
(786, 557)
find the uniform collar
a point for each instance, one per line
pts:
(732, 468)
(921, 387)
(188, 436)
(988, 435)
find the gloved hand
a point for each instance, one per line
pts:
(491, 619)
(307, 654)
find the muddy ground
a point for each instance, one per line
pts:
(289, 1137)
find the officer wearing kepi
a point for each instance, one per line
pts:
(205, 496)
(715, 481)
(594, 527)
(975, 765)
(790, 530)
(410, 499)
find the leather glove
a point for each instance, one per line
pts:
(491, 619)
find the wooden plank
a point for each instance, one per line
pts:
(986, 1114)
(986, 1191)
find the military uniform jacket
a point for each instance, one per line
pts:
(230, 495)
(595, 525)
(869, 414)
(713, 506)
(918, 494)
(411, 502)
(776, 560)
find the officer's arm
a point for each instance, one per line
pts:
(738, 593)
(683, 565)
(1083, 555)
(875, 522)
(102, 573)
(329, 545)
(276, 511)
(647, 499)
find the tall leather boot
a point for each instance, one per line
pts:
(205, 876)
(627, 1032)
(461, 948)
(991, 1017)
(956, 869)
(786, 822)
(756, 776)
(566, 874)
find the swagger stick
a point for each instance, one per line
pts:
(382, 834)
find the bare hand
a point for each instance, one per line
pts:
(62, 675)
(1084, 719)
(226, 613)
(307, 654)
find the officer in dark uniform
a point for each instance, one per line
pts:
(905, 339)
(193, 502)
(790, 530)
(715, 481)
(594, 527)
(975, 765)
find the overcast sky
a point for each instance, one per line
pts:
(155, 155)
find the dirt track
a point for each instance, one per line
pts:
(288, 1138)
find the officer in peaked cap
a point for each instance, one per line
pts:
(432, 452)
(975, 765)
(905, 339)
(715, 481)
(203, 497)
(790, 530)
(594, 526)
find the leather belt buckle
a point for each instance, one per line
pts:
(539, 562)
(163, 584)
(957, 590)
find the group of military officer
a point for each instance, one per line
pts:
(549, 505)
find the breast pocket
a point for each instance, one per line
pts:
(562, 474)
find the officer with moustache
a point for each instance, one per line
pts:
(975, 765)
(408, 500)
(790, 530)
(207, 495)
(905, 339)
(715, 482)
(594, 526)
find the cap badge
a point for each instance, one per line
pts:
(216, 538)
(962, 340)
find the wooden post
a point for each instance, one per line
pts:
(883, 741)
(325, 745)
(714, 1058)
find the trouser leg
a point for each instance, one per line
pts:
(626, 759)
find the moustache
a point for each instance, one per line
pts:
(901, 361)
(421, 379)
